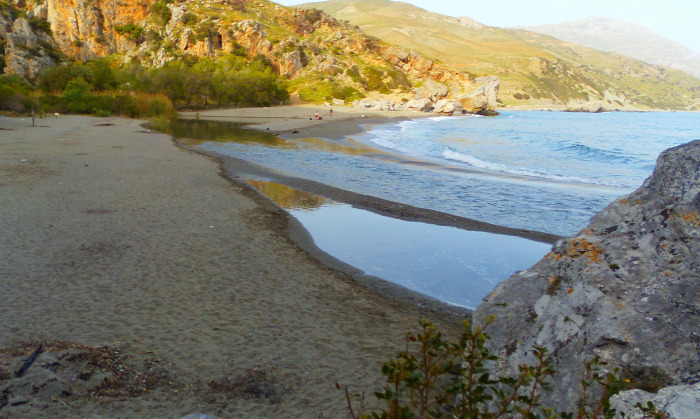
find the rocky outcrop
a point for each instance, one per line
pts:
(376, 104)
(610, 103)
(431, 90)
(418, 66)
(625, 288)
(26, 49)
(482, 100)
(448, 107)
(676, 402)
(306, 42)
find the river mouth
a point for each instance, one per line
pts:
(446, 257)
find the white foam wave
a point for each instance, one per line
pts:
(498, 167)
(439, 118)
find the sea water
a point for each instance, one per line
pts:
(542, 171)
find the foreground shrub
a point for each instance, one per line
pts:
(435, 378)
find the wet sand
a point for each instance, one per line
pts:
(113, 236)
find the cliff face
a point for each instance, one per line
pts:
(298, 42)
(625, 288)
(86, 29)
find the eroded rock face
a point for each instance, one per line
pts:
(135, 30)
(626, 288)
(676, 402)
(416, 65)
(24, 51)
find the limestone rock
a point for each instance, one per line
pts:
(291, 64)
(375, 104)
(431, 90)
(677, 402)
(448, 107)
(24, 53)
(610, 103)
(482, 100)
(423, 105)
(625, 288)
(5, 26)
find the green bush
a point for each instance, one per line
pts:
(13, 93)
(326, 90)
(56, 79)
(40, 25)
(133, 31)
(161, 12)
(437, 378)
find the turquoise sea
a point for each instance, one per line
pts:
(535, 170)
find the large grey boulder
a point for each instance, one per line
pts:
(448, 107)
(676, 402)
(626, 288)
(422, 105)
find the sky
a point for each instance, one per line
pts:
(678, 20)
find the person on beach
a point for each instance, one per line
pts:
(331, 111)
(316, 115)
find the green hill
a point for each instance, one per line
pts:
(534, 69)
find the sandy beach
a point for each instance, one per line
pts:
(160, 287)
(299, 121)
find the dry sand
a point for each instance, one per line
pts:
(113, 236)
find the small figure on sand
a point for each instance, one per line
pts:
(331, 111)
(316, 115)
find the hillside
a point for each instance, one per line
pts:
(534, 69)
(322, 57)
(625, 38)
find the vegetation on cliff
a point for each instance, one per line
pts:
(192, 41)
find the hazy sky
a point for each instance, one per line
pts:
(678, 20)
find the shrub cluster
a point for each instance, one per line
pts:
(223, 81)
(100, 87)
(436, 378)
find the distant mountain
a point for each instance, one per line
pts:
(626, 38)
(534, 69)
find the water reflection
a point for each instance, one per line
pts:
(457, 266)
(196, 132)
(289, 198)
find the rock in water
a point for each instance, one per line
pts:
(626, 288)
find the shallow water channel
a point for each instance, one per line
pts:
(451, 264)
(457, 266)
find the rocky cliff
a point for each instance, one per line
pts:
(300, 43)
(625, 288)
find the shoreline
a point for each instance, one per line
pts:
(290, 122)
(298, 121)
(113, 236)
